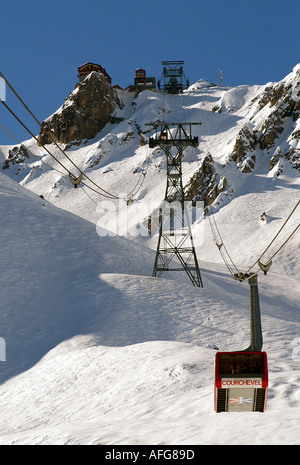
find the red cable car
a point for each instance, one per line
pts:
(241, 381)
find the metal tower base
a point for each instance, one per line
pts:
(176, 252)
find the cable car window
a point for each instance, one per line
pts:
(241, 364)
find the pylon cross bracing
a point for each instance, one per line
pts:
(175, 248)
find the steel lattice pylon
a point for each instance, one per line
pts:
(174, 80)
(175, 235)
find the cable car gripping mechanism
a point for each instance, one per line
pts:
(75, 181)
(243, 276)
(263, 267)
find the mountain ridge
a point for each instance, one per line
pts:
(270, 128)
(98, 351)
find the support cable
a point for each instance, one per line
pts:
(75, 180)
(266, 267)
(232, 268)
(63, 152)
(258, 261)
(262, 267)
(66, 169)
(32, 135)
(31, 153)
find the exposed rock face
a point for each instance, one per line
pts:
(243, 149)
(276, 162)
(244, 143)
(84, 113)
(275, 115)
(16, 156)
(283, 101)
(205, 184)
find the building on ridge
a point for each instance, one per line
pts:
(88, 67)
(142, 82)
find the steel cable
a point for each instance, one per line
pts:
(112, 196)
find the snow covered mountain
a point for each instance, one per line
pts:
(245, 130)
(99, 352)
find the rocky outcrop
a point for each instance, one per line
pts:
(283, 101)
(84, 113)
(16, 156)
(243, 149)
(243, 152)
(277, 162)
(205, 184)
(274, 114)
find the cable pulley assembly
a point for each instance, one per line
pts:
(237, 275)
(75, 181)
(263, 267)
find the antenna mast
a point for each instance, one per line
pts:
(220, 78)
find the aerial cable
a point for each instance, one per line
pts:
(58, 161)
(285, 242)
(92, 200)
(31, 153)
(69, 174)
(63, 152)
(221, 246)
(71, 177)
(75, 180)
(19, 98)
(262, 267)
(258, 261)
(50, 166)
(28, 130)
(141, 179)
(265, 267)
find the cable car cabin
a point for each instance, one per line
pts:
(241, 382)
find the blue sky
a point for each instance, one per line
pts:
(43, 43)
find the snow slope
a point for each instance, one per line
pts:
(97, 354)
(51, 261)
(98, 351)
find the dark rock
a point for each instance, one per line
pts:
(16, 156)
(84, 113)
(205, 184)
(244, 144)
(284, 102)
